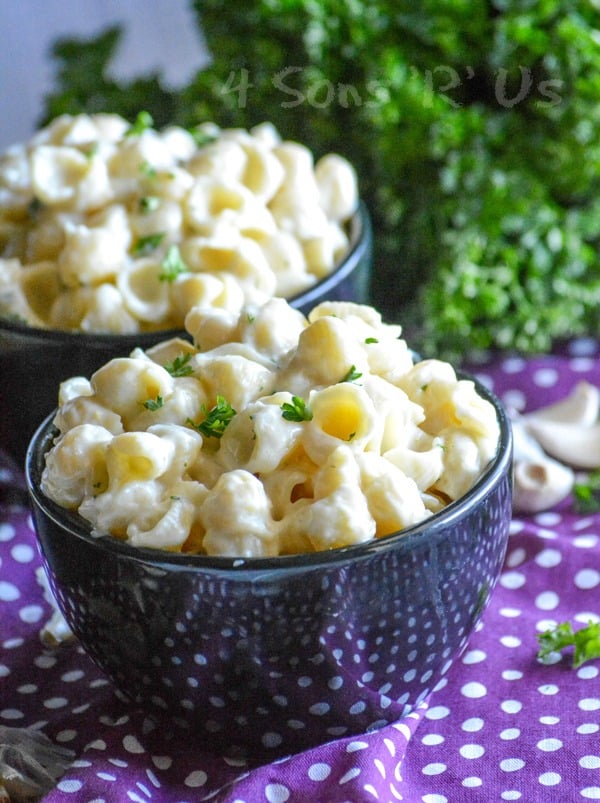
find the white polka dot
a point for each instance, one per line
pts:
(588, 727)
(271, 739)
(545, 377)
(474, 657)
(512, 580)
(97, 744)
(106, 776)
(27, 688)
(472, 751)
(162, 762)
(548, 519)
(512, 674)
(7, 532)
(548, 558)
(548, 690)
(591, 793)
(586, 579)
(66, 736)
(22, 553)
(510, 733)
(196, 779)
(55, 702)
(510, 613)
(276, 793)
(587, 541)
(319, 709)
(69, 785)
(550, 779)
(433, 798)
(473, 690)
(547, 600)
(513, 365)
(8, 592)
(11, 713)
(512, 764)
(549, 720)
(473, 724)
(432, 739)
(348, 776)
(437, 712)
(590, 762)
(319, 771)
(510, 795)
(30, 614)
(549, 745)
(511, 706)
(472, 783)
(72, 676)
(510, 641)
(516, 557)
(434, 769)
(352, 747)
(132, 745)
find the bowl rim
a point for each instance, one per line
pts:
(406, 539)
(361, 235)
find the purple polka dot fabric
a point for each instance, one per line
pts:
(500, 726)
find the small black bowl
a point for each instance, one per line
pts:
(275, 655)
(33, 362)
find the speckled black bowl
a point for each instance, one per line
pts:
(279, 654)
(33, 362)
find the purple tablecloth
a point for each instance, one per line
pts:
(501, 726)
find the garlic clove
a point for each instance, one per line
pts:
(581, 406)
(540, 486)
(573, 444)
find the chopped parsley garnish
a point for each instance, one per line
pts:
(586, 493)
(148, 243)
(180, 366)
(352, 374)
(216, 421)
(149, 203)
(371, 340)
(586, 642)
(147, 169)
(154, 404)
(202, 137)
(172, 265)
(141, 123)
(297, 410)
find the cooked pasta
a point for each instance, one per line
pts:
(118, 228)
(273, 434)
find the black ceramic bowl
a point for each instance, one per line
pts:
(33, 362)
(279, 654)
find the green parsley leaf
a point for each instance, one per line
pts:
(141, 123)
(180, 366)
(297, 410)
(217, 419)
(586, 642)
(586, 493)
(172, 265)
(147, 169)
(149, 203)
(201, 136)
(148, 243)
(371, 340)
(154, 404)
(352, 375)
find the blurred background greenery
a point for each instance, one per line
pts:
(473, 124)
